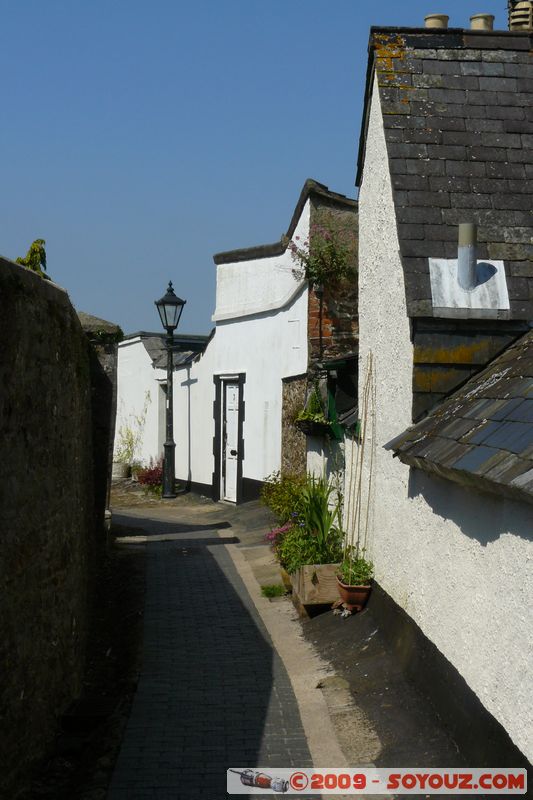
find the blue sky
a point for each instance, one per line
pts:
(140, 138)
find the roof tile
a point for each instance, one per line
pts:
(490, 420)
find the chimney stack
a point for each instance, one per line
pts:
(482, 22)
(521, 15)
(436, 20)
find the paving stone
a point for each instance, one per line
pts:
(213, 693)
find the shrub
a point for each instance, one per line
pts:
(274, 536)
(283, 494)
(328, 255)
(356, 571)
(152, 477)
(298, 547)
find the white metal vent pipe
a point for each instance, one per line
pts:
(467, 256)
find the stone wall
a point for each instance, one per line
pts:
(103, 354)
(47, 513)
(293, 441)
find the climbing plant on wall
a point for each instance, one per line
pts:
(328, 254)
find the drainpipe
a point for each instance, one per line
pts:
(467, 256)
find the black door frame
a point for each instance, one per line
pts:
(218, 405)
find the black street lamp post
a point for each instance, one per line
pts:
(170, 307)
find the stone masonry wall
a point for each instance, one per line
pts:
(293, 441)
(46, 513)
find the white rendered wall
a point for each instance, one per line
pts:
(459, 562)
(194, 426)
(267, 347)
(137, 390)
(261, 330)
(260, 285)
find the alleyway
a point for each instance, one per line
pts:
(231, 679)
(213, 692)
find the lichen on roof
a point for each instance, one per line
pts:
(482, 435)
(457, 113)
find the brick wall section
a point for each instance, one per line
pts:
(47, 513)
(333, 331)
(293, 441)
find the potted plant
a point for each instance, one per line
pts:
(354, 580)
(311, 550)
(128, 441)
(312, 420)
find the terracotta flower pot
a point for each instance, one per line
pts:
(355, 597)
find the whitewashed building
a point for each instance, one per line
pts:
(230, 390)
(447, 504)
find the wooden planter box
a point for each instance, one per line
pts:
(316, 584)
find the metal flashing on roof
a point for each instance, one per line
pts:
(489, 294)
(455, 106)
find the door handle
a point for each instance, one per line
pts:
(233, 452)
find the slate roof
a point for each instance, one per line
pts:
(92, 324)
(186, 347)
(482, 435)
(458, 114)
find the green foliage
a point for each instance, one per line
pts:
(35, 258)
(130, 434)
(356, 570)
(283, 494)
(321, 517)
(136, 468)
(313, 410)
(313, 506)
(107, 337)
(328, 255)
(298, 547)
(273, 590)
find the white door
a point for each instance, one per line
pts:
(230, 441)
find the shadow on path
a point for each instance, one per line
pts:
(213, 693)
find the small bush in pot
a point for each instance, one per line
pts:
(355, 579)
(312, 419)
(356, 571)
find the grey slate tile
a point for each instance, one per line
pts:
(459, 107)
